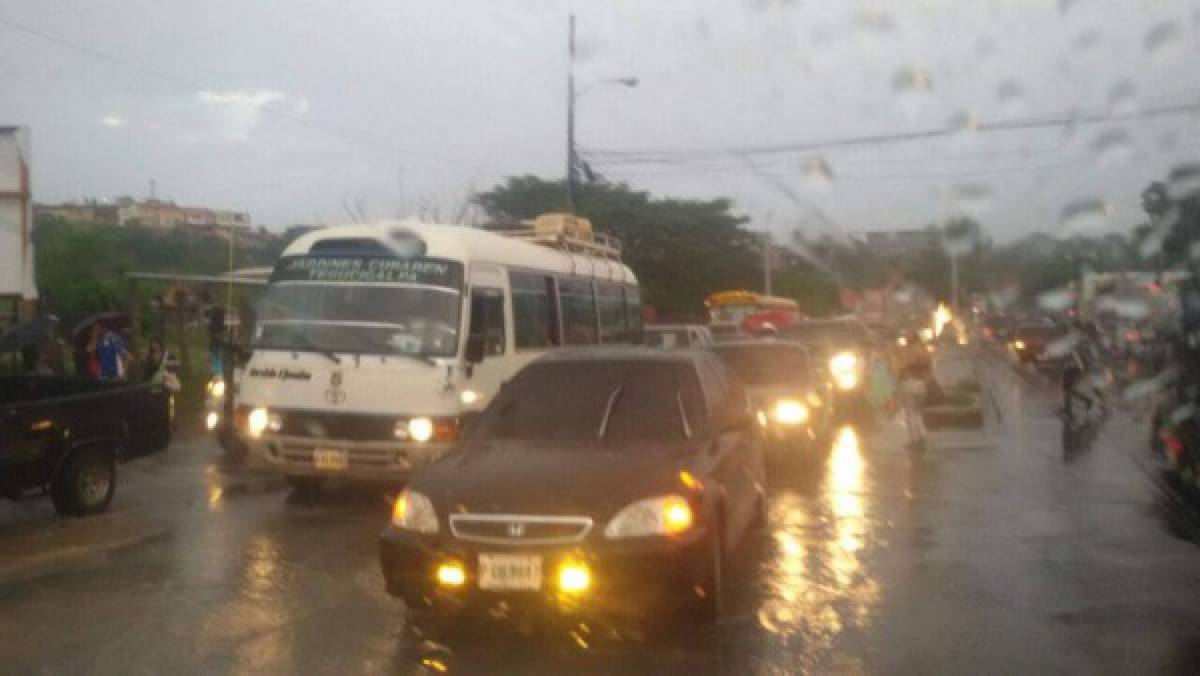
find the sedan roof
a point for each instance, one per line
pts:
(623, 353)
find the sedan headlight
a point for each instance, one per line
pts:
(844, 368)
(667, 515)
(414, 511)
(789, 412)
(216, 388)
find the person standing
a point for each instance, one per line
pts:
(154, 359)
(216, 339)
(912, 392)
(110, 351)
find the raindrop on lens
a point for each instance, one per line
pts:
(1183, 182)
(1062, 347)
(973, 198)
(1162, 41)
(1122, 98)
(1088, 214)
(1056, 300)
(1112, 146)
(817, 173)
(874, 20)
(1125, 307)
(1086, 41)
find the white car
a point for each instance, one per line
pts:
(678, 336)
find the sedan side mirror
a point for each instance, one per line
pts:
(735, 421)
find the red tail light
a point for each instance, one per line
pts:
(1173, 444)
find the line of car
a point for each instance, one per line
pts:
(614, 482)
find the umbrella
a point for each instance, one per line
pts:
(114, 321)
(29, 333)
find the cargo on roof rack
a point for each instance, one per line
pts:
(566, 232)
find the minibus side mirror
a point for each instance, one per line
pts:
(475, 351)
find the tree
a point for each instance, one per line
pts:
(681, 250)
(81, 268)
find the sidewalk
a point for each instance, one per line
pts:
(33, 547)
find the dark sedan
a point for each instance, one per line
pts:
(606, 482)
(844, 347)
(794, 401)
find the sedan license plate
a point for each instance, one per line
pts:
(331, 460)
(510, 571)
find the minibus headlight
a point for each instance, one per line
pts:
(256, 421)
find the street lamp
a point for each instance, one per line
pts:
(572, 97)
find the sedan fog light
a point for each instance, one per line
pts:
(211, 420)
(451, 574)
(574, 577)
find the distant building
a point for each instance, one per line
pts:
(150, 213)
(18, 288)
(901, 243)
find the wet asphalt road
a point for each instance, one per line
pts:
(989, 552)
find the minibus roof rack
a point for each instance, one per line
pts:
(564, 232)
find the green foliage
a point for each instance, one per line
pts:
(681, 250)
(81, 268)
(816, 293)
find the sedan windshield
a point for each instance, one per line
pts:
(765, 364)
(597, 402)
(825, 336)
(360, 318)
(666, 339)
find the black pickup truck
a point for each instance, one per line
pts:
(64, 437)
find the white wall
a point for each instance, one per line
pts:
(16, 219)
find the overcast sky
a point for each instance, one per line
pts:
(290, 109)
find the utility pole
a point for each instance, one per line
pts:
(571, 174)
(767, 253)
(954, 283)
(229, 284)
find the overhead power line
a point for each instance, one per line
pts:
(196, 87)
(1062, 120)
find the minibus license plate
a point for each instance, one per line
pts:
(510, 571)
(331, 460)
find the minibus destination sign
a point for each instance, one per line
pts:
(365, 270)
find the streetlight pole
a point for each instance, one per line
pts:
(767, 248)
(571, 113)
(572, 96)
(954, 283)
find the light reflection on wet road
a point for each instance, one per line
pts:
(987, 552)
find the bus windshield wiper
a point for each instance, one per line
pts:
(612, 402)
(386, 349)
(309, 346)
(423, 358)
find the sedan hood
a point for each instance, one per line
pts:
(765, 395)
(518, 478)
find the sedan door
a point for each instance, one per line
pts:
(735, 448)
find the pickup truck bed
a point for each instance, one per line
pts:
(64, 437)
